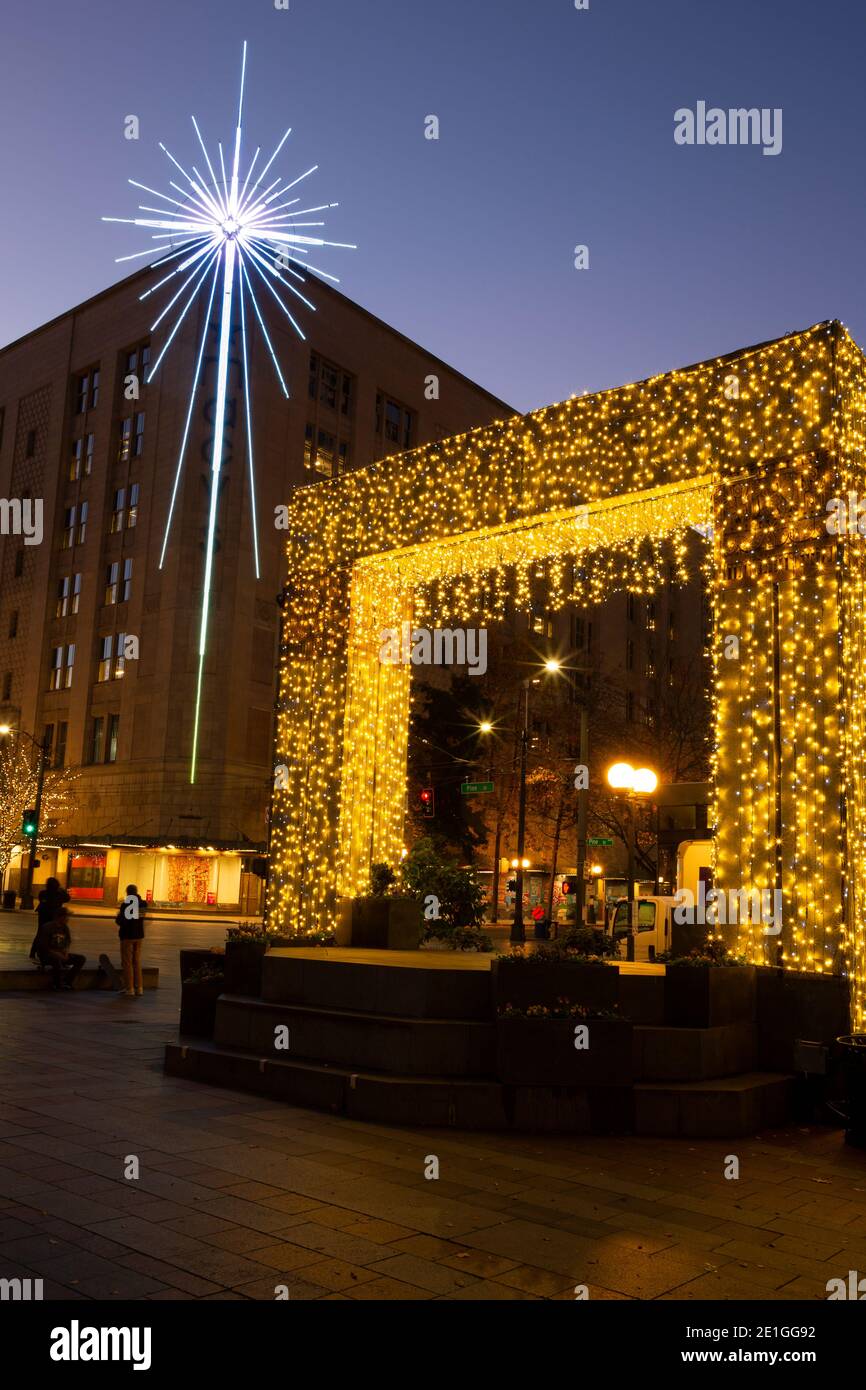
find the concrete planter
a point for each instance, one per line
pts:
(541, 1052)
(243, 969)
(522, 983)
(192, 958)
(198, 1003)
(707, 996)
(380, 923)
(794, 1005)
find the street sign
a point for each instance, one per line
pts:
(599, 841)
(470, 788)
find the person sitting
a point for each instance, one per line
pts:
(50, 899)
(53, 941)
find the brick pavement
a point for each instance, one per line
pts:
(237, 1195)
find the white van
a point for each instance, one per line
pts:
(654, 926)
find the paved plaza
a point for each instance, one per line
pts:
(237, 1196)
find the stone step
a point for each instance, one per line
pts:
(727, 1107)
(442, 1101)
(400, 984)
(360, 1041)
(693, 1054)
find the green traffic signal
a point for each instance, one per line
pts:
(30, 824)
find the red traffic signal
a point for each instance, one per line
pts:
(428, 801)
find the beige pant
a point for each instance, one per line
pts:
(130, 963)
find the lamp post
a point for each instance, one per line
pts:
(632, 784)
(518, 930)
(42, 749)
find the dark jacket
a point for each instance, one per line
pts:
(53, 938)
(50, 899)
(130, 924)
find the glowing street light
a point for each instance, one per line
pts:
(632, 784)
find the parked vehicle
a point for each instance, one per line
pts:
(654, 927)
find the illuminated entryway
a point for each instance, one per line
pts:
(594, 495)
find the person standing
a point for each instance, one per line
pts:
(130, 929)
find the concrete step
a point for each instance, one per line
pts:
(693, 1054)
(360, 1041)
(445, 1101)
(402, 984)
(724, 1108)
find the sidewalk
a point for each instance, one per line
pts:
(237, 1195)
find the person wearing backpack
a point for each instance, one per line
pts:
(130, 930)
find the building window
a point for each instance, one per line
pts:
(112, 662)
(68, 595)
(112, 574)
(75, 460)
(138, 361)
(62, 662)
(324, 453)
(88, 455)
(82, 523)
(70, 517)
(30, 446)
(111, 743)
(13, 623)
(19, 564)
(87, 391)
(60, 746)
(7, 685)
(131, 442)
(132, 510)
(48, 743)
(117, 509)
(126, 589)
(629, 655)
(394, 422)
(333, 387)
(97, 737)
(629, 707)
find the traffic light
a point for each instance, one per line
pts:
(29, 824)
(428, 802)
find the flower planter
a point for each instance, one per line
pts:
(380, 923)
(243, 969)
(198, 1003)
(541, 1052)
(527, 982)
(193, 958)
(707, 996)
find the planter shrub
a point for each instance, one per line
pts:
(524, 980)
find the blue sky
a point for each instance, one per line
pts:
(556, 129)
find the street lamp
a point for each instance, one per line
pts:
(554, 665)
(632, 784)
(42, 748)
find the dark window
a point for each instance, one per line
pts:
(7, 686)
(97, 735)
(48, 743)
(60, 749)
(394, 422)
(138, 435)
(629, 655)
(19, 564)
(94, 388)
(13, 623)
(75, 460)
(629, 707)
(82, 523)
(111, 577)
(113, 727)
(126, 588)
(30, 449)
(117, 509)
(70, 516)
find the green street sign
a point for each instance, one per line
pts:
(599, 841)
(470, 788)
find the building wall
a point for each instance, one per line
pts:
(144, 793)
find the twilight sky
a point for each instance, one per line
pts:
(556, 129)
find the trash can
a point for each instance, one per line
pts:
(542, 925)
(853, 1052)
(9, 900)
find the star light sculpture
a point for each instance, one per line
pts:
(229, 235)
